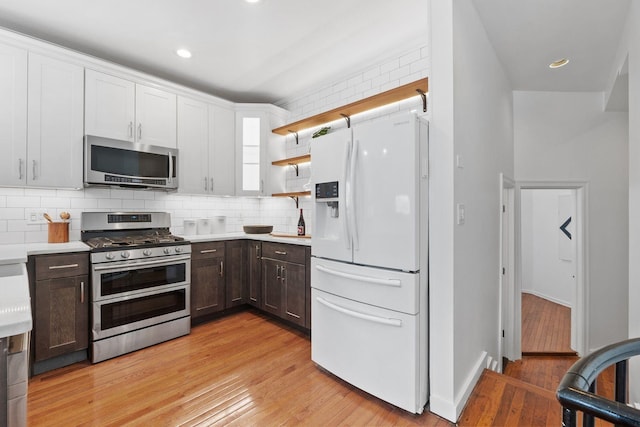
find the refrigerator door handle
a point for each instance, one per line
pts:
(351, 204)
(347, 158)
(357, 314)
(374, 280)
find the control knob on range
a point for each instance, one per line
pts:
(125, 254)
(166, 251)
(178, 249)
(110, 255)
(146, 252)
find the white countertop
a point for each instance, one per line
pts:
(11, 254)
(15, 304)
(197, 238)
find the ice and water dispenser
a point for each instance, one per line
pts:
(327, 210)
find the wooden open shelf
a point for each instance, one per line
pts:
(394, 95)
(293, 194)
(293, 160)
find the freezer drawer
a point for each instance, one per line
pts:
(394, 290)
(374, 349)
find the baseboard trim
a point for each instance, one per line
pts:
(548, 298)
(470, 383)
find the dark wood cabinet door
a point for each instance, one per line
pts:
(254, 279)
(62, 316)
(207, 285)
(272, 286)
(235, 273)
(294, 292)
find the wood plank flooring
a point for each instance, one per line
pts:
(546, 327)
(247, 370)
(239, 370)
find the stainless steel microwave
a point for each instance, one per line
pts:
(128, 164)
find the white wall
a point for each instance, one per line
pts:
(631, 44)
(544, 273)
(567, 137)
(471, 118)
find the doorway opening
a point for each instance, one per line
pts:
(548, 276)
(570, 254)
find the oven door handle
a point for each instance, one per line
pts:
(117, 266)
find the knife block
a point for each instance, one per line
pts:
(58, 232)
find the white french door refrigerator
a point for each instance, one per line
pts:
(369, 258)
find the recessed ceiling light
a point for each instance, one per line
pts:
(183, 53)
(252, 1)
(559, 63)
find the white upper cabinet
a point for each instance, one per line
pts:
(206, 144)
(222, 141)
(55, 123)
(110, 106)
(255, 150)
(13, 115)
(193, 143)
(155, 117)
(120, 109)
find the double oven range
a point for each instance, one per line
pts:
(140, 281)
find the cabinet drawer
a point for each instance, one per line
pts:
(283, 252)
(207, 250)
(54, 266)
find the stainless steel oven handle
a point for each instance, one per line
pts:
(118, 266)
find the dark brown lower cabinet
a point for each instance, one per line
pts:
(61, 305)
(254, 273)
(207, 278)
(236, 273)
(285, 289)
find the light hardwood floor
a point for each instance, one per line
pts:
(243, 370)
(248, 370)
(546, 327)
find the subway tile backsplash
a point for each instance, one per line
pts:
(17, 204)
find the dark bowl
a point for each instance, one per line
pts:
(258, 229)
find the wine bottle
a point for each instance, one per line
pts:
(301, 228)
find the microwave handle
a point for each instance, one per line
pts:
(170, 166)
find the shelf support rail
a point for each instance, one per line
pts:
(295, 166)
(296, 200)
(347, 118)
(296, 135)
(424, 99)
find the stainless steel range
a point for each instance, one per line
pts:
(140, 281)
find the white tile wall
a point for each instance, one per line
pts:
(17, 204)
(389, 73)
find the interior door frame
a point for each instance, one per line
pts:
(580, 322)
(506, 269)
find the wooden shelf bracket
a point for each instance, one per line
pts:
(424, 99)
(296, 135)
(347, 118)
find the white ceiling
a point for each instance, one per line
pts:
(530, 34)
(243, 52)
(279, 48)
